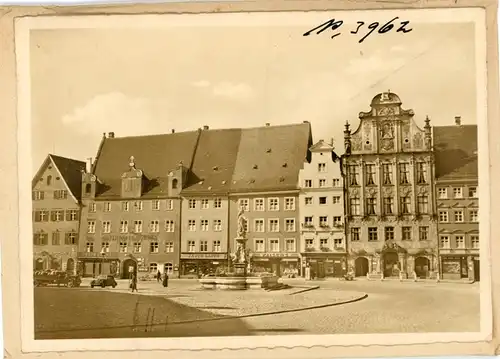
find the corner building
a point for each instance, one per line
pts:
(132, 204)
(391, 214)
(56, 204)
(457, 179)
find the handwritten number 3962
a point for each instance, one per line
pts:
(334, 25)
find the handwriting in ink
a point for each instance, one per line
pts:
(388, 26)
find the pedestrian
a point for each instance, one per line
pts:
(165, 280)
(158, 276)
(133, 283)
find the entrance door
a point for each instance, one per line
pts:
(476, 269)
(70, 265)
(321, 269)
(128, 267)
(361, 267)
(422, 267)
(391, 264)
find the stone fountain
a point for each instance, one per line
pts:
(240, 277)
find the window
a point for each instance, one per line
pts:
(338, 243)
(258, 225)
(41, 215)
(92, 208)
(191, 225)
(274, 204)
(203, 246)
(322, 200)
(244, 203)
(444, 241)
(423, 204)
(336, 199)
(191, 246)
(105, 247)
(473, 192)
(175, 183)
(204, 204)
(123, 248)
(289, 204)
(57, 215)
(216, 247)
(88, 188)
(388, 205)
(154, 247)
(474, 240)
(155, 205)
(421, 173)
(91, 227)
(107, 207)
(371, 206)
(56, 238)
(372, 234)
(387, 173)
(137, 247)
(258, 204)
(309, 243)
(308, 221)
(169, 225)
(423, 233)
(308, 183)
(153, 268)
(370, 174)
(474, 215)
(355, 206)
(217, 225)
(404, 173)
(442, 193)
(49, 180)
(106, 227)
(323, 221)
(323, 243)
(322, 183)
(337, 220)
(457, 192)
(405, 204)
(192, 204)
(259, 245)
(290, 245)
(406, 233)
(353, 175)
(138, 205)
(138, 226)
(169, 247)
(170, 204)
(125, 206)
(290, 225)
(321, 167)
(37, 195)
(169, 267)
(123, 226)
(217, 203)
(60, 194)
(154, 226)
(389, 233)
(71, 215)
(460, 240)
(443, 216)
(274, 225)
(204, 225)
(336, 182)
(308, 201)
(89, 247)
(274, 245)
(459, 216)
(70, 238)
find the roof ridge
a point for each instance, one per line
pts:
(66, 158)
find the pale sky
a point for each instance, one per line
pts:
(148, 81)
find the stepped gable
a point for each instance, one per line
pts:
(155, 155)
(270, 158)
(455, 151)
(214, 161)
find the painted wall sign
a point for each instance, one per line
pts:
(203, 255)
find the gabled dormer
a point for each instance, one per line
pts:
(177, 180)
(89, 185)
(132, 181)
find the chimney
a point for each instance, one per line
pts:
(458, 120)
(331, 141)
(111, 135)
(268, 124)
(206, 127)
(88, 166)
(173, 130)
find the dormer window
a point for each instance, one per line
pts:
(174, 183)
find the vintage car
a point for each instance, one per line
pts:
(103, 281)
(52, 277)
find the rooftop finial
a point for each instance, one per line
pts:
(132, 162)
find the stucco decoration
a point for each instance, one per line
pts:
(387, 135)
(93, 178)
(356, 142)
(367, 135)
(388, 191)
(423, 190)
(405, 130)
(418, 141)
(372, 192)
(354, 192)
(405, 191)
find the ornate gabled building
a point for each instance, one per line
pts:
(391, 214)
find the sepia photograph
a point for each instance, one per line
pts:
(292, 177)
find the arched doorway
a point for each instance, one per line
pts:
(128, 267)
(70, 265)
(391, 264)
(422, 266)
(39, 264)
(361, 267)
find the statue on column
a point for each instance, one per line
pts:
(241, 255)
(242, 223)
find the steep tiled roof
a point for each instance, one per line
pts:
(214, 161)
(270, 158)
(455, 149)
(155, 155)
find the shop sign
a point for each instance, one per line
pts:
(107, 255)
(132, 236)
(203, 255)
(277, 255)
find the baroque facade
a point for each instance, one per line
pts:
(391, 214)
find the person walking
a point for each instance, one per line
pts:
(158, 277)
(133, 283)
(165, 280)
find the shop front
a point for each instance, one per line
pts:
(92, 264)
(324, 265)
(459, 266)
(195, 265)
(280, 264)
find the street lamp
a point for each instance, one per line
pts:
(103, 254)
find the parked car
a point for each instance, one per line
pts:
(103, 281)
(59, 278)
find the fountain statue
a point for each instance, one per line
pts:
(240, 256)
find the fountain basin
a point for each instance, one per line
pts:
(238, 283)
